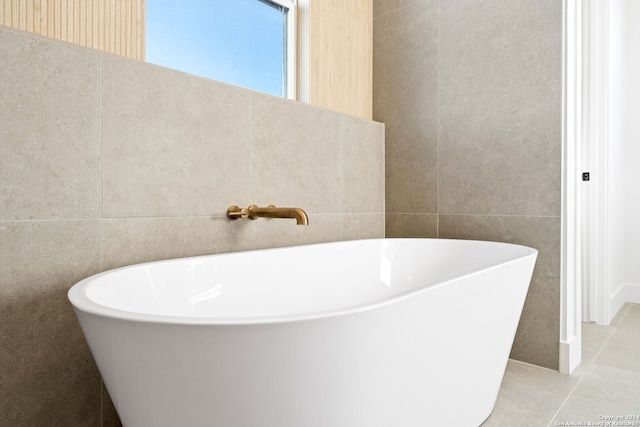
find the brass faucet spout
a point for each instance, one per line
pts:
(298, 214)
(255, 212)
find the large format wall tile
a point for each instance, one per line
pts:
(129, 241)
(167, 153)
(500, 108)
(49, 129)
(538, 337)
(405, 98)
(174, 144)
(362, 226)
(272, 233)
(411, 225)
(295, 156)
(471, 95)
(362, 166)
(47, 375)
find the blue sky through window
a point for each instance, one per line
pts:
(235, 41)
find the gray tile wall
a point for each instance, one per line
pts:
(106, 162)
(470, 93)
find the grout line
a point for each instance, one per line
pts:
(553, 417)
(586, 371)
(101, 164)
(101, 136)
(615, 328)
(478, 215)
(213, 216)
(101, 391)
(411, 213)
(49, 220)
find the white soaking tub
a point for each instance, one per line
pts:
(369, 333)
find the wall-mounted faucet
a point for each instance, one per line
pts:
(255, 212)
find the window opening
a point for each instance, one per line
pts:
(249, 43)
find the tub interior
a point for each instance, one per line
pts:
(291, 281)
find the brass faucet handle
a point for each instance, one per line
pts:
(251, 212)
(235, 212)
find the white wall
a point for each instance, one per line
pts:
(630, 137)
(624, 154)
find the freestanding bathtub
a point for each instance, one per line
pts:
(369, 333)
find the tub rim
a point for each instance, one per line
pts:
(81, 302)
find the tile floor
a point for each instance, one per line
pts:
(606, 384)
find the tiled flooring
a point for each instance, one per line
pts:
(606, 384)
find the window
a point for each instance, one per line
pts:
(249, 43)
